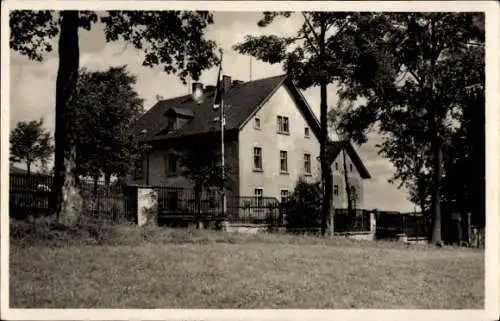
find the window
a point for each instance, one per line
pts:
(283, 161)
(258, 193)
(353, 192)
(139, 168)
(307, 163)
(336, 166)
(285, 194)
(171, 164)
(257, 158)
(257, 123)
(350, 167)
(336, 190)
(172, 123)
(283, 127)
(306, 132)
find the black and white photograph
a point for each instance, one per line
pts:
(249, 156)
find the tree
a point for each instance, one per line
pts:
(104, 107)
(30, 143)
(413, 66)
(182, 51)
(310, 58)
(335, 116)
(201, 164)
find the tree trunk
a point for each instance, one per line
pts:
(436, 194)
(326, 176)
(66, 197)
(437, 157)
(107, 179)
(347, 185)
(28, 167)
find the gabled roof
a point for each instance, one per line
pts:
(241, 102)
(334, 148)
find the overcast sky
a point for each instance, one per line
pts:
(33, 86)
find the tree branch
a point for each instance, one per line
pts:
(310, 27)
(310, 42)
(419, 81)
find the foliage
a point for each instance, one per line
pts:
(104, 107)
(304, 207)
(29, 143)
(415, 71)
(172, 39)
(201, 163)
(310, 58)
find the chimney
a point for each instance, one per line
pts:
(195, 86)
(226, 83)
(197, 92)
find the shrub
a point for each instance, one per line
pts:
(303, 209)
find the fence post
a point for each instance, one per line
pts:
(373, 222)
(147, 206)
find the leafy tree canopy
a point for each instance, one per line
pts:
(171, 39)
(104, 107)
(30, 143)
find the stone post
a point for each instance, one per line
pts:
(147, 206)
(373, 223)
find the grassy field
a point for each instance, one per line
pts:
(165, 268)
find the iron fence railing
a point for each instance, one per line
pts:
(30, 195)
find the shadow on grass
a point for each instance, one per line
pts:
(46, 232)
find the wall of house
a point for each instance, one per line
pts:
(354, 178)
(158, 172)
(270, 179)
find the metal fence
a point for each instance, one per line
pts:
(29, 195)
(356, 221)
(178, 206)
(394, 224)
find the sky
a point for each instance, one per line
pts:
(32, 86)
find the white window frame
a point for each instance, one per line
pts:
(287, 192)
(307, 161)
(283, 124)
(256, 148)
(285, 153)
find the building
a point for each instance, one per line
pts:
(271, 140)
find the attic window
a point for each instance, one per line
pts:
(256, 124)
(350, 167)
(306, 132)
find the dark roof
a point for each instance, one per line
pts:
(241, 102)
(186, 112)
(334, 148)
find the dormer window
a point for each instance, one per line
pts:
(172, 123)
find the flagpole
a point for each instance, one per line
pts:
(222, 148)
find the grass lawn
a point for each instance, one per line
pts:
(189, 269)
